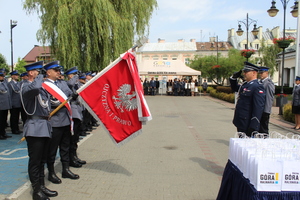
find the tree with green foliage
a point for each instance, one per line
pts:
(3, 63)
(91, 33)
(20, 65)
(268, 55)
(218, 69)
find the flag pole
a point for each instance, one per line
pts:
(52, 113)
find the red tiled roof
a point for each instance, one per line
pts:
(36, 52)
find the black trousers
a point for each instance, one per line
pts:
(14, 119)
(75, 137)
(37, 152)
(3, 121)
(87, 120)
(264, 123)
(61, 137)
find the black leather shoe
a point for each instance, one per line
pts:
(17, 132)
(7, 136)
(74, 163)
(83, 162)
(39, 196)
(47, 192)
(53, 178)
(2, 137)
(68, 174)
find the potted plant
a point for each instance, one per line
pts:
(247, 52)
(284, 42)
(284, 99)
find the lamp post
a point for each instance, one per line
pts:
(272, 13)
(247, 22)
(13, 24)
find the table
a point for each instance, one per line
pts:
(235, 186)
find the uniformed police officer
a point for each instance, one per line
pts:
(77, 108)
(37, 129)
(61, 126)
(269, 91)
(251, 100)
(296, 103)
(5, 104)
(14, 86)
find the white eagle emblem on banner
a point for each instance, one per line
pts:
(124, 100)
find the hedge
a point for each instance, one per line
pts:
(222, 95)
(287, 113)
(286, 90)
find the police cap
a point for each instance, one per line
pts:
(53, 65)
(36, 65)
(250, 67)
(71, 70)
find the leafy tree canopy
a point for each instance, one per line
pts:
(219, 68)
(3, 63)
(20, 65)
(91, 33)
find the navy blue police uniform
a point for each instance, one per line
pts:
(250, 103)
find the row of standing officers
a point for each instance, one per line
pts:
(38, 96)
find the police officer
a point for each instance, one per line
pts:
(269, 91)
(5, 104)
(251, 100)
(37, 129)
(61, 125)
(14, 86)
(175, 87)
(296, 103)
(77, 108)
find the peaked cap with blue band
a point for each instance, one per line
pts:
(82, 76)
(71, 71)
(36, 65)
(250, 67)
(88, 74)
(263, 69)
(297, 78)
(24, 74)
(14, 73)
(1, 73)
(52, 65)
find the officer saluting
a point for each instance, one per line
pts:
(37, 129)
(251, 100)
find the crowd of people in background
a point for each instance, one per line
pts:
(176, 87)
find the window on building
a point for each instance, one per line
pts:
(256, 46)
(146, 57)
(155, 57)
(165, 57)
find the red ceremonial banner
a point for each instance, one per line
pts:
(112, 98)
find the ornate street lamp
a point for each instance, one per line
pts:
(13, 24)
(272, 13)
(247, 22)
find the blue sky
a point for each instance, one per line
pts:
(173, 20)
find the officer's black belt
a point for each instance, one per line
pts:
(37, 117)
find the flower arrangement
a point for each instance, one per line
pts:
(284, 95)
(216, 66)
(247, 52)
(289, 39)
